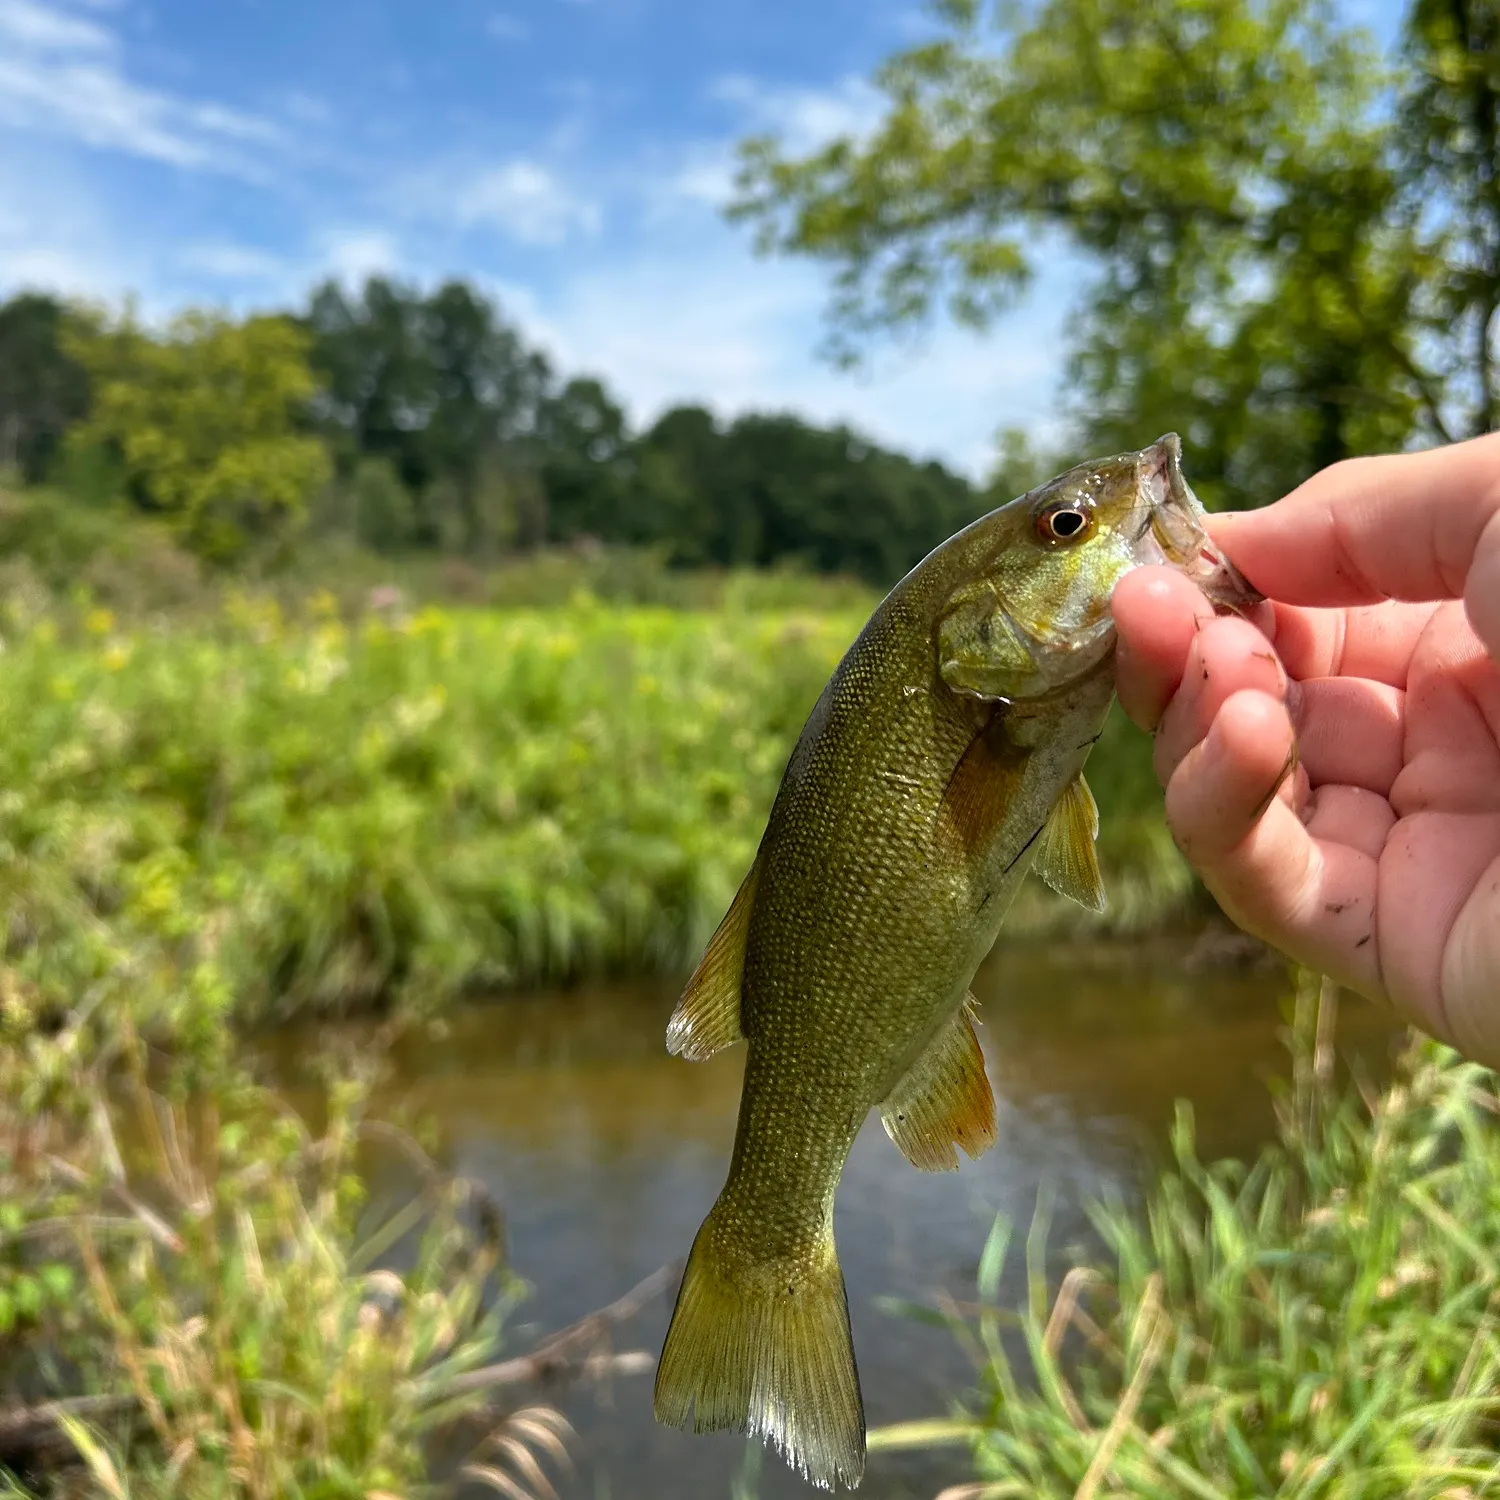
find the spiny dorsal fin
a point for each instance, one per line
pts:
(707, 1018)
(943, 1099)
(1065, 856)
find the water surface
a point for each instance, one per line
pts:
(606, 1153)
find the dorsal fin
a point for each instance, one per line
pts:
(707, 1018)
(943, 1099)
(1065, 856)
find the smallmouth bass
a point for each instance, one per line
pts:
(942, 762)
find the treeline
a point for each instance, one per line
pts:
(424, 421)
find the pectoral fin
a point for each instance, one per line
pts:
(981, 789)
(707, 1018)
(1065, 856)
(943, 1100)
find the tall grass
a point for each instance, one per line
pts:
(1322, 1322)
(197, 1302)
(257, 813)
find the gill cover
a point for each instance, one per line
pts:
(1037, 613)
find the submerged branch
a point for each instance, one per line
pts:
(575, 1350)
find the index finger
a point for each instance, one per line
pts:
(1413, 526)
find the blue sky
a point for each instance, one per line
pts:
(571, 156)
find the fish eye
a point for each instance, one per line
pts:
(1064, 523)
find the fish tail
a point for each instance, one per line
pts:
(764, 1346)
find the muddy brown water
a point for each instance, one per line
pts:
(606, 1153)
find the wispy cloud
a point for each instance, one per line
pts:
(234, 263)
(710, 324)
(64, 75)
(804, 118)
(505, 27)
(521, 199)
(28, 24)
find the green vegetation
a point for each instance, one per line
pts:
(1320, 1322)
(201, 423)
(1290, 248)
(356, 658)
(198, 1302)
(256, 815)
(419, 425)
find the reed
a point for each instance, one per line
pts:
(200, 1298)
(1319, 1322)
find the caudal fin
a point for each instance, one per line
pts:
(765, 1348)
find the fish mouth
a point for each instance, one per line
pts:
(1173, 528)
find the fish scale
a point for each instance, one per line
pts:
(942, 761)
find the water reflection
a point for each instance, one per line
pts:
(607, 1153)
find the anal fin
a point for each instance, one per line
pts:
(707, 1018)
(1065, 856)
(943, 1100)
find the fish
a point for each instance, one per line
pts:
(942, 762)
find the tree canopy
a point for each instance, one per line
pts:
(203, 421)
(43, 390)
(1286, 234)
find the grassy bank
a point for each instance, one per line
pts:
(198, 1296)
(250, 813)
(1320, 1322)
(222, 807)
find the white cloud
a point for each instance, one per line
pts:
(507, 28)
(804, 118)
(228, 262)
(523, 201)
(353, 254)
(62, 75)
(706, 177)
(711, 324)
(29, 24)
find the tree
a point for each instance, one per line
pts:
(487, 388)
(1450, 142)
(205, 420)
(383, 515)
(771, 488)
(582, 445)
(43, 389)
(1225, 168)
(685, 495)
(444, 389)
(837, 502)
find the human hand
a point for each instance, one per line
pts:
(1374, 856)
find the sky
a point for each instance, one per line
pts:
(571, 156)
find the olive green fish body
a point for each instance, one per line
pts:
(942, 760)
